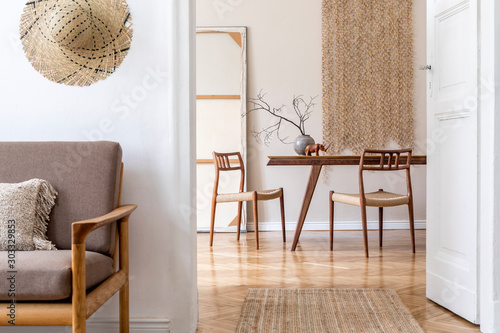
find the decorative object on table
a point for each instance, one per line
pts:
(76, 42)
(368, 74)
(301, 143)
(24, 214)
(315, 149)
(302, 110)
(325, 310)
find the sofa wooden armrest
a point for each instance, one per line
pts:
(81, 229)
(84, 305)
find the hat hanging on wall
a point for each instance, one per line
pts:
(76, 42)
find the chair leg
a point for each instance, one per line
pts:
(256, 219)
(238, 217)
(212, 222)
(412, 225)
(380, 224)
(331, 219)
(365, 228)
(124, 309)
(282, 209)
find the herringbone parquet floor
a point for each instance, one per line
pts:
(227, 270)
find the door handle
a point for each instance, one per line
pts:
(425, 67)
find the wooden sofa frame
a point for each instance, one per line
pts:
(83, 305)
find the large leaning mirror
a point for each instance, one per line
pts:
(220, 103)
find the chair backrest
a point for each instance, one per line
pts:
(224, 162)
(385, 160)
(85, 174)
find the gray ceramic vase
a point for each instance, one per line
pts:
(301, 142)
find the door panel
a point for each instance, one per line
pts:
(452, 159)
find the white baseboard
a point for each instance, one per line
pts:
(339, 225)
(100, 326)
(136, 326)
(36, 329)
(220, 229)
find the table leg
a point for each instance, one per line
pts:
(311, 185)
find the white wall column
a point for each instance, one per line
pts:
(182, 94)
(489, 170)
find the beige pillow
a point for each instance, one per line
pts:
(24, 213)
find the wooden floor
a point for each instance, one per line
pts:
(227, 270)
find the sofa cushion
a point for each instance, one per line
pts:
(46, 275)
(86, 176)
(24, 213)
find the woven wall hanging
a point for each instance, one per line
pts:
(367, 74)
(76, 42)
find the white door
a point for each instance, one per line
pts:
(452, 180)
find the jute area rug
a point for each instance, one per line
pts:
(325, 310)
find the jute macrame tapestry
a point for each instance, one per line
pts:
(367, 74)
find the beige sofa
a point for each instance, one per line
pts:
(66, 286)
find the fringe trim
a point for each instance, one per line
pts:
(45, 201)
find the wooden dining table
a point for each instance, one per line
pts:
(316, 163)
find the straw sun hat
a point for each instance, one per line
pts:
(76, 42)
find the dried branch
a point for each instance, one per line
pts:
(304, 113)
(302, 109)
(265, 135)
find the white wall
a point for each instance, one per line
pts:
(154, 129)
(284, 59)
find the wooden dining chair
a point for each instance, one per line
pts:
(223, 162)
(390, 160)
